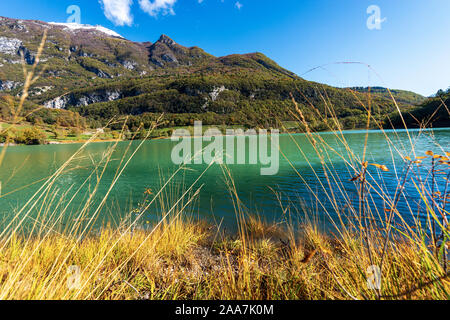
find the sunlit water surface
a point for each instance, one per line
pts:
(25, 169)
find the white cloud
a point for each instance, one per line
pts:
(239, 5)
(118, 11)
(154, 7)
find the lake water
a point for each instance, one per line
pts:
(301, 174)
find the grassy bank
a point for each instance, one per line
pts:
(185, 259)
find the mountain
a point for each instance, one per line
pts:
(96, 73)
(402, 97)
(434, 112)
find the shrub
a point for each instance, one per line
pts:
(30, 136)
(75, 132)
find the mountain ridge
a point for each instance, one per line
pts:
(100, 76)
(401, 96)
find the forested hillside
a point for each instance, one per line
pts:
(92, 75)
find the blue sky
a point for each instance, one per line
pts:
(410, 51)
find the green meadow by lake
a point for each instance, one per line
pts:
(289, 193)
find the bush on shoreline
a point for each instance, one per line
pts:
(30, 136)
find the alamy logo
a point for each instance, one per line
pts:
(374, 21)
(74, 278)
(373, 278)
(229, 149)
(75, 14)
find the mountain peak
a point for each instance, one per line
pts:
(166, 40)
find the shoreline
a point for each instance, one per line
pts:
(349, 131)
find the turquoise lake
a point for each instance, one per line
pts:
(26, 168)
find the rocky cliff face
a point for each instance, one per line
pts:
(77, 100)
(13, 47)
(9, 46)
(7, 85)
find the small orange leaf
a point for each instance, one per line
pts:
(429, 153)
(380, 166)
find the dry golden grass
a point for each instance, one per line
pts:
(181, 260)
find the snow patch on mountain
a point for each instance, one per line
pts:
(76, 26)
